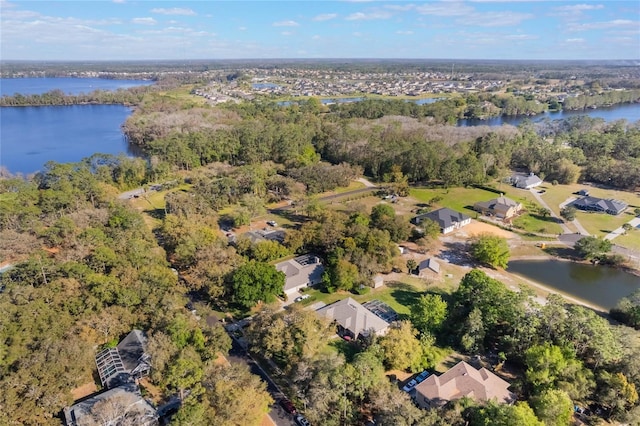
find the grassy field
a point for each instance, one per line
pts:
(398, 295)
(598, 224)
(463, 199)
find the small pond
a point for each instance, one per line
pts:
(597, 285)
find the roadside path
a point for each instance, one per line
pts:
(635, 222)
(239, 355)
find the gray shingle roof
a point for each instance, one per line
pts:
(354, 317)
(444, 217)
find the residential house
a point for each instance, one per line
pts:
(428, 265)
(132, 350)
(302, 271)
(126, 362)
(123, 404)
(594, 204)
(449, 220)
(523, 181)
(353, 319)
(462, 380)
(501, 207)
(264, 235)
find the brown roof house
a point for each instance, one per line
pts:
(501, 207)
(462, 380)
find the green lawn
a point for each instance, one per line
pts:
(598, 224)
(398, 295)
(630, 241)
(463, 199)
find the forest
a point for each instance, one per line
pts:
(88, 268)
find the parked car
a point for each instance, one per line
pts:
(301, 298)
(410, 385)
(288, 406)
(301, 420)
(422, 376)
(272, 223)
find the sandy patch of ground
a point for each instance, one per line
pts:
(84, 390)
(477, 228)
(153, 392)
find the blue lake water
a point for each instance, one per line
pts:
(68, 85)
(598, 285)
(31, 136)
(629, 112)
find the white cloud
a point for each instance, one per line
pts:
(445, 8)
(616, 23)
(144, 21)
(578, 7)
(173, 11)
(242, 28)
(286, 33)
(575, 40)
(325, 17)
(119, 1)
(494, 19)
(400, 8)
(286, 24)
(361, 16)
(521, 37)
(407, 32)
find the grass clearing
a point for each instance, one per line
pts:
(631, 240)
(399, 295)
(598, 224)
(463, 199)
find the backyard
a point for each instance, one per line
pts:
(598, 224)
(463, 199)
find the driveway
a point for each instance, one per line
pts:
(565, 228)
(635, 223)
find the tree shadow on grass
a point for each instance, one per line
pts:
(545, 218)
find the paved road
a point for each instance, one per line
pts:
(237, 355)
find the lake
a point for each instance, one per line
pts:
(31, 136)
(597, 285)
(68, 85)
(629, 112)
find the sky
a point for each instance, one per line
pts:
(181, 30)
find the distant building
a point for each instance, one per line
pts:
(462, 380)
(122, 405)
(302, 271)
(593, 204)
(523, 181)
(501, 207)
(449, 220)
(353, 319)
